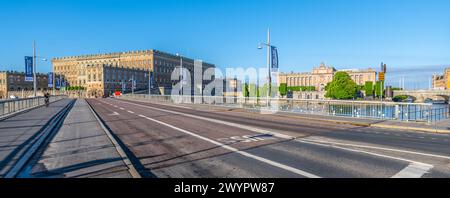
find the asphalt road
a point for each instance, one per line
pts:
(171, 141)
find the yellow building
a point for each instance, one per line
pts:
(442, 81)
(14, 84)
(322, 75)
(102, 74)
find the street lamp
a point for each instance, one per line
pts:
(269, 77)
(182, 73)
(34, 67)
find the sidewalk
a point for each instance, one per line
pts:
(81, 148)
(18, 132)
(436, 127)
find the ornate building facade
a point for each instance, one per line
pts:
(441, 82)
(102, 74)
(13, 83)
(322, 75)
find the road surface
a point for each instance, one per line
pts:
(171, 141)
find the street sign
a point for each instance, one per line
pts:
(28, 68)
(50, 79)
(381, 76)
(274, 59)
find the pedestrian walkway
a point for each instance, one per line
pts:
(18, 132)
(442, 126)
(81, 148)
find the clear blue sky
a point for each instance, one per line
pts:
(404, 34)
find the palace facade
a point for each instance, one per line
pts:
(322, 75)
(102, 74)
(14, 84)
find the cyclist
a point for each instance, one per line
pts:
(47, 99)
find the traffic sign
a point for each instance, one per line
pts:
(381, 76)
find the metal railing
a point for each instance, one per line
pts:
(418, 112)
(11, 106)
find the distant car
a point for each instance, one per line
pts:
(13, 97)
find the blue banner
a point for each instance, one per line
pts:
(152, 78)
(274, 59)
(28, 68)
(50, 79)
(57, 83)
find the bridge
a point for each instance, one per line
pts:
(422, 95)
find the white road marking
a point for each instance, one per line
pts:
(378, 148)
(414, 170)
(220, 122)
(114, 114)
(131, 112)
(121, 108)
(310, 142)
(261, 159)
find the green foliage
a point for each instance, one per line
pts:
(379, 88)
(253, 90)
(396, 89)
(245, 90)
(400, 98)
(301, 88)
(75, 88)
(342, 87)
(368, 88)
(283, 89)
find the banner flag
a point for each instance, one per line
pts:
(50, 79)
(28, 68)
(274, 59)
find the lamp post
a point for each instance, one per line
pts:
(269, 77)
(34, 68)
(182, 73)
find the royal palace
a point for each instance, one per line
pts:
(103, 74)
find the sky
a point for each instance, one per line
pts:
(411, 36)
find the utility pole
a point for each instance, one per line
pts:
(268, 66)
(34, 69)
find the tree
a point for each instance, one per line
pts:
(341, 87)
(379, 88)
(368, 88)
(245, 90)
(283, 89)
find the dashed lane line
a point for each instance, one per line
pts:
(261, 159)
(276, 134)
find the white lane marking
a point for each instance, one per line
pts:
(290, 137)
(378, 148)
(131, 112)
(286, 136)
(114, 114)
(121, 108)
(115, 106)
(261, 159)
(220, 122)
(413, 171)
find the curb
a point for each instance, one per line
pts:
(441, 131)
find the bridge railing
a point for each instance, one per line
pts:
(419, 112)
(11, 106)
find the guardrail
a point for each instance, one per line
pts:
(11, 106)
(419, 112)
